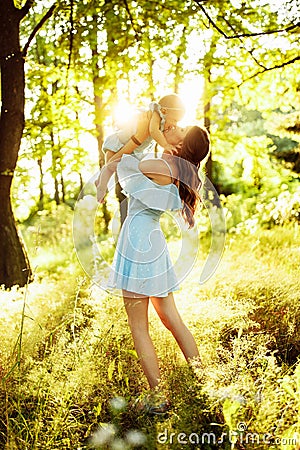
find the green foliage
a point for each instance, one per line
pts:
(266, 209)
(70, 375)
(65, 348)
(47, 237)
(276, 306)
(291, 385)
(90, 55)
(19, 3)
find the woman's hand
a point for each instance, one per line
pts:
(170, 149)
(177, 149)
(173, 150)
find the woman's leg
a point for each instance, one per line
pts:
(170, 317)
(137, 312)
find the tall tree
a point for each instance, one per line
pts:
(14, 265)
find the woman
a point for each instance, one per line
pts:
(142, 267)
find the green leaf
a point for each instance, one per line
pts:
(230, 409)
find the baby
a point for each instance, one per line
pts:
(160, 117)
(165, 114)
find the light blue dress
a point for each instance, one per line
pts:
(142, 263)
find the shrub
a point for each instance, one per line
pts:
(248, 214)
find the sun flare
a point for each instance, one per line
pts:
(191, 92)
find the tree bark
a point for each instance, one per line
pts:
(62, 184)
(41, 198)
(207, 126)
(99, 130)
(56, 190)
(208, 63)
(98, 104)
(14, 265)
(207, 112)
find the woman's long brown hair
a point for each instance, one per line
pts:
(195, 148)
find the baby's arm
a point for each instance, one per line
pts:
(158, 136)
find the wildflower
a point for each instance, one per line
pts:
(135, 438)
(118, 404)
(103, 435)
(119, 444)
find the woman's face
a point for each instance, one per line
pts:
(174, 134)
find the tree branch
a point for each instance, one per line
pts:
(236, 36)
(71, 33)
(70, 46)
(211, 21)
(37, 28)
(248, 51)
(266, 69)
(136, 32)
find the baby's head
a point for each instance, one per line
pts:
(173, 108)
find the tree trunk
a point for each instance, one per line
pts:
(62, 184)
(56, 191)
(208, 62)
(41, 198)
(14, 266)
(208, 165)
(99, 129)
(98, 103)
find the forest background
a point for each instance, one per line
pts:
(87, 65)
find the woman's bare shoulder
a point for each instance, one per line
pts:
(157, 170)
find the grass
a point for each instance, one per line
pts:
(69, 370)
